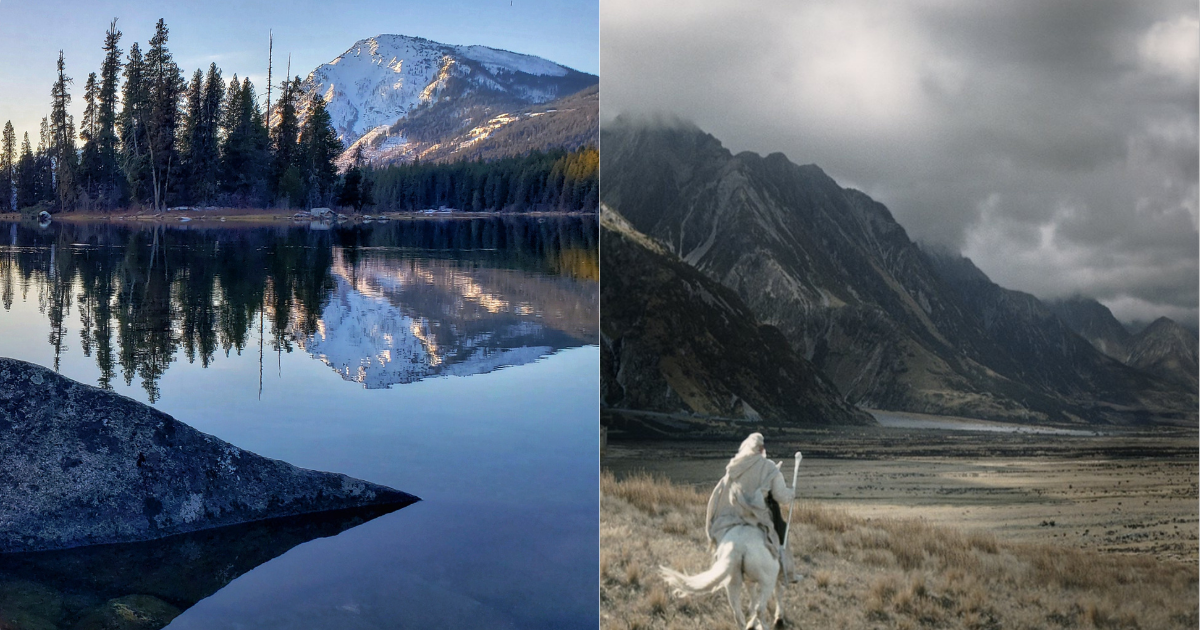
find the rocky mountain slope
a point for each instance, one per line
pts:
(840, 278)
(673, 340)
(1094, 322)
(402, 97)
(1040, 348)
(568, 123)
(1166, 349)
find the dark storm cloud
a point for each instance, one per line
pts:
(1055, 143)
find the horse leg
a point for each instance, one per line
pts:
(757, 610)
(766, 588)
(734, 591)
(778, 596)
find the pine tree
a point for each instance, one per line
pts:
(352, 181)
(89, 161)
(165, 88)
(28, 192)
(62, 139)
(134, 140)
(203, 120)
(244, 150)
(350, 188)
(190, 138)
(210, 154)
(107, 172)
(260, 156)
(284, 145)
(366, 196)
(8, 167)
(43, 164)
(319, 147)
(231, 129)
(87, 128)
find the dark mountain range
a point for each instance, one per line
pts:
(1094, 322)
(1166, 349)
(673, 340)
(841, 279)
(1163, 348)
(1041, 348)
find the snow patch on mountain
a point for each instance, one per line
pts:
(497, 61)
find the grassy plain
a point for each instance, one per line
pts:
(905, 528)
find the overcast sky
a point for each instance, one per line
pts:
(1052, 142)
(234, 34)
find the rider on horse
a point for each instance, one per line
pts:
(751, 492)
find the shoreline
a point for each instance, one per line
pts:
(262, 216)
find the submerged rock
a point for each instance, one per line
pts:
(26, 605)
(84, 466)
(132, 612)
(66, 587)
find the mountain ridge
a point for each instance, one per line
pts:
(833, 270)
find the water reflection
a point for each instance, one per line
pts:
(146, 585)
(397, 319)
(384, 304)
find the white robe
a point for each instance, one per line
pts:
(740, 497)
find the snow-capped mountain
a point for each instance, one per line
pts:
(392, 322)
(385, 81)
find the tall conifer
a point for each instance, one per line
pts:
(285, 174)
(135, 148)
(165, 88)
(28, 192)
(87, 128)
(62, 139)
(201, 133)
(8, 167)
(319, 147)
(89, 161)
(244, 149)
(108, 174)
(191, 131)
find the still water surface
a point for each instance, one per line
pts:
(452, 359)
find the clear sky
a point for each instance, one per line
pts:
(234, 35)
(1054, 142)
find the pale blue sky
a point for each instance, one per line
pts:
(234, 35)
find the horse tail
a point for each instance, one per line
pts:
(716, 577)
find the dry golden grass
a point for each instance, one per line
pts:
(880, 573)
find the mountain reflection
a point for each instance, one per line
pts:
(383, 304)
(147, 584)
(398, 319)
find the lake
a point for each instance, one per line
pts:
(454, 359)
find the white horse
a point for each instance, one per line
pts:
(742, 556)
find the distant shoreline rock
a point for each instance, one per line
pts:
(84, 466)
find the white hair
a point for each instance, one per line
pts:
(752, 445)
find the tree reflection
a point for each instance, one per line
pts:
(148, 295)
